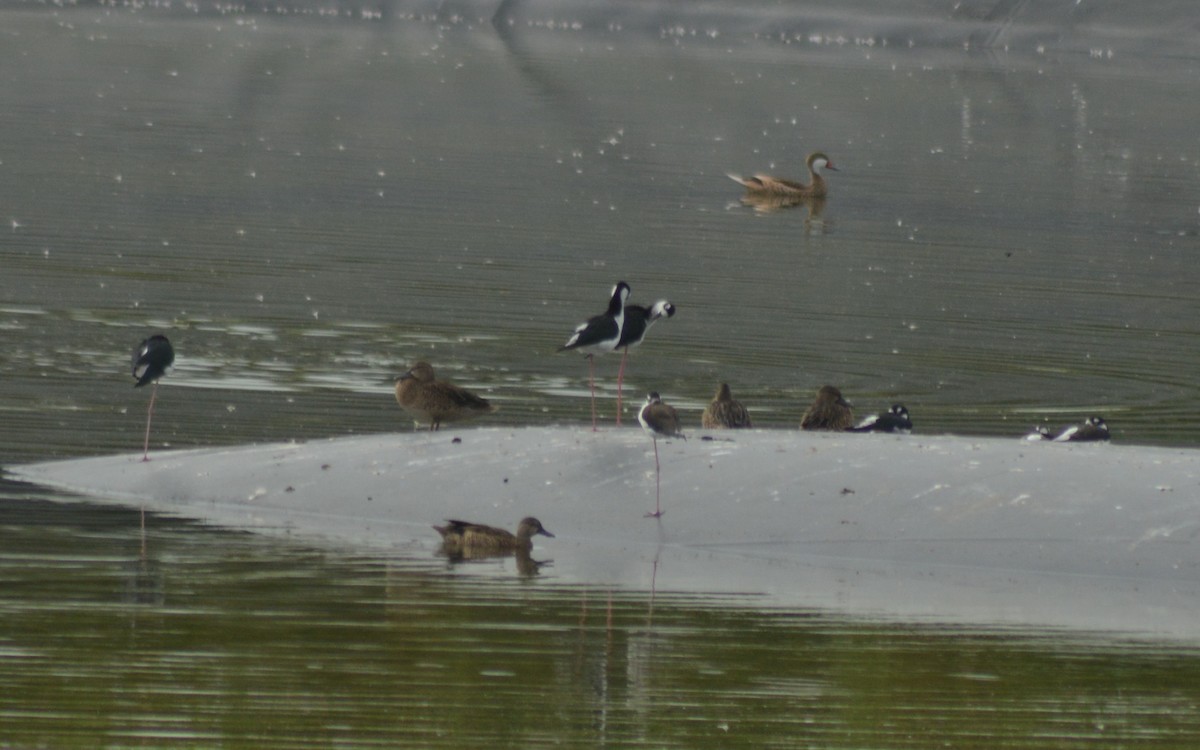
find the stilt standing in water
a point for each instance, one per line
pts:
(658, 419)
(638, 320)
(600, 334)
(151, 360)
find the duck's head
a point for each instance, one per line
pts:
(818, 161)
(530, 526)
(422, 372)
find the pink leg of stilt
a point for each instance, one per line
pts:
(592, 386)
(657, 484)
(149, 416)
(620, 380)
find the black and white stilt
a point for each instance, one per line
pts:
(895, 419)
(638, 320)
(600, 334)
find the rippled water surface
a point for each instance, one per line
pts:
(307, 198)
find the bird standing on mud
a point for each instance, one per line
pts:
(725, 412)
(659, 420)
(151, 360)
(829, 411)
(436, 401)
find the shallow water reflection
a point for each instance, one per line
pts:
(215, 638)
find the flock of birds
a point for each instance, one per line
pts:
(621, 326)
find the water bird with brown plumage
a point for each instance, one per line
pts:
(725, 412)
(763, 185)
(419, 392)
(466, 539)
(829, 411)
(659, 420)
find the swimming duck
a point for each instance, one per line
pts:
(895, 419)
(436, 401)
(829, 411)
(462, 538)
(764, 185)
(725, 412)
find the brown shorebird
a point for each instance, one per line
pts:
(436, 401)
(828, 412)
(725, 412)
(659, 420)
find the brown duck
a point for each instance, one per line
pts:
(761, 185)
(461, 538)
(725, 412)
(828, 412)
(436, 401)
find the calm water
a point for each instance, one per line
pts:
(308, 198)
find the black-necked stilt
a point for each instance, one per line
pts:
(638, 320)
(660, 420)
(828, 412)
(725, 412)
(600, 334)
(436, 401)
(1040, 432)
(151, 360)
(895, 419)
(1095, 428)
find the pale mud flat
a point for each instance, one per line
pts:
(926, 528)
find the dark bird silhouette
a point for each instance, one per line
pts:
(151, 360)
